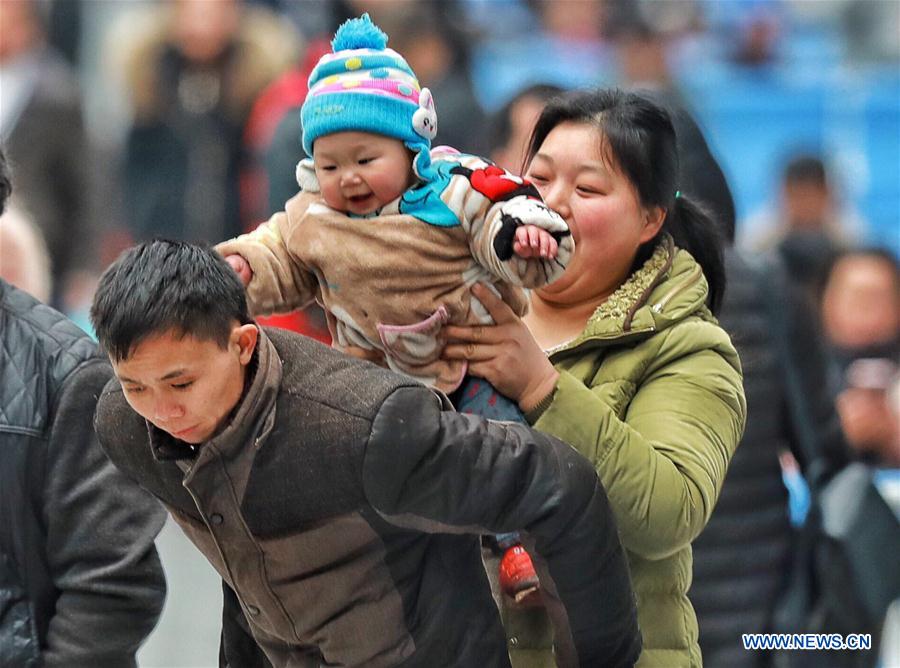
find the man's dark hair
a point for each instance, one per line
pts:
(161, 286)
(5, 182)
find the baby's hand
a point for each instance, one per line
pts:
(241, 268)
(533, 241)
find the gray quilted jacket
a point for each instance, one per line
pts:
(80, 580)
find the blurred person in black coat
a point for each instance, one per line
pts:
(743, 557)
(193, 73)
(80, 580)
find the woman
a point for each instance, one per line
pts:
(640, 378)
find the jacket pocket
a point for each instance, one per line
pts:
(416, 344)
(19, 645)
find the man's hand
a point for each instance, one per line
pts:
(533, 241)
(241, 268)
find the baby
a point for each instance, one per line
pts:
(388, 234)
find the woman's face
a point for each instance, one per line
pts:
(601, 206)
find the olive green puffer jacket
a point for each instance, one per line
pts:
(651, 392)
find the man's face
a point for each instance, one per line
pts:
(806, 205)
(187, 386)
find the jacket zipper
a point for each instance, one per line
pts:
(678, 289)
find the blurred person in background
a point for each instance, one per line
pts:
(80, 580)
(748, 34)
(641, 39)
(24, 258)
(742, 559)
(45, 141)
(861, 319)
(641, 48)
(511, 126)
(808, 227)
(870, 29)
(193, 74)
(563, 44)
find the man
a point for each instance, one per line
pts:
(340, 502)
(80, 581)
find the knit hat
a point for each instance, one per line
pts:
(366, 87)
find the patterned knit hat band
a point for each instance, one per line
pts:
(351, 60)
(379, 82)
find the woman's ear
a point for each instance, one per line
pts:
(654, 217)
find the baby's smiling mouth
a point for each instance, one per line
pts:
(356, 199)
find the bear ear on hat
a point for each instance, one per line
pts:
(306, 176)
(424, 119)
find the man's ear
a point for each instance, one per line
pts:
(654, 217)
(245, 337)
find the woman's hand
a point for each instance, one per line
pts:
(505, 354)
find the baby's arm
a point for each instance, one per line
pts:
(276, 279)
(502, 215)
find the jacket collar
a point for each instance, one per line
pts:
(251, 420)
(666, 288)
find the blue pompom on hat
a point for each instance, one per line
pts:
(364, 86)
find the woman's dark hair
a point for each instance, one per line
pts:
(163, 286)
(641, 141)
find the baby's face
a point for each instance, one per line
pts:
(360, 172)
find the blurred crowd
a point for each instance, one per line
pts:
(129, 120)
(124, 121)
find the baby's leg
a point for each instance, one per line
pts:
(476, 396)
